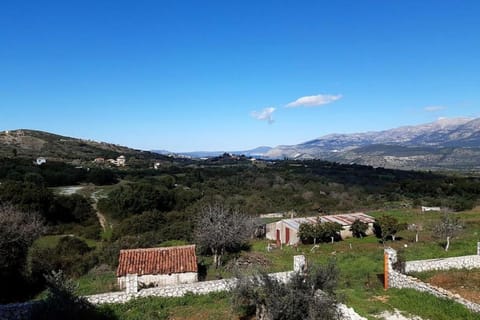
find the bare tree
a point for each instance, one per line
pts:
(417, 228)
(449, 227)
(18, 230)
(219, 229)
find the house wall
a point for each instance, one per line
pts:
(272, 228)
(159, 280)
(271, 232)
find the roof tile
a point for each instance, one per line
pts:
(165, 260)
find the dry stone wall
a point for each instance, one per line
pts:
(22, 311)
(174, 290)
(396, 279)
(17, 311)
(465, 262)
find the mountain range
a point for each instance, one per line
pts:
(443, 144)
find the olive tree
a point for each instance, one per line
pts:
(219, 228)
(359, 228)
(387, 226)
(18, 230)
(305, 296)
(447, 228)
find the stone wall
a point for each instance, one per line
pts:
(22, 311)
(396, 279)
(175, 290)
(17, 311)
(465, 262)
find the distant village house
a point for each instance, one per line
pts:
(121, 161)
(99, 160)
(40, 161)
(425, 209)
(158, 266)
(286, 231)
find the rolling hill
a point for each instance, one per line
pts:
(32, 143)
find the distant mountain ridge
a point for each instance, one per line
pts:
(443, 144)
(34, 143)
(256, 152)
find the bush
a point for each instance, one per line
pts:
(62, 302)
(71, 254)
(305, 296)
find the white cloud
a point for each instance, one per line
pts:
(434, 108)
(312, 101)
(264, 115)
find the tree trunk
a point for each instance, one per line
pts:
(215, 257)
(393, 237)
(448, 244)
(416, 237)
(262, 313)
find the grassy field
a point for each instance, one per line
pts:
(213, 306)
(466, 283)
(361, 275)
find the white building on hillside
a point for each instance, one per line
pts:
(286, 231)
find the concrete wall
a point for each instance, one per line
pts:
(158, 280)
(396, 279)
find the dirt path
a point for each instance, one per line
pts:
(101, 218)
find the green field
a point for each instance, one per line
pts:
(361, 272)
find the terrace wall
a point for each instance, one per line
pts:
(396, 279)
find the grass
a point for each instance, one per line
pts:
(360, 262)
(428, 306)
(50, 241)
(97, 283)
(213, 306)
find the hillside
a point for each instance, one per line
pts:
(32, 143)
(443, 144)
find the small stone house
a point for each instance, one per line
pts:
(286, 231)
(158, 266)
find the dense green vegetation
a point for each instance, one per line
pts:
(151, 207)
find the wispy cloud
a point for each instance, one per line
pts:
(434, 108)
(264, 115)
(312, 101)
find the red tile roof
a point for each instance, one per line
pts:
(157, 260)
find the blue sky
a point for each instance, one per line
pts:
(232, 75)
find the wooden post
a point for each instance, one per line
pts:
(385, 271)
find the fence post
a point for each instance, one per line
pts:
(131, 283)
(385, 271)
(299, 263)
